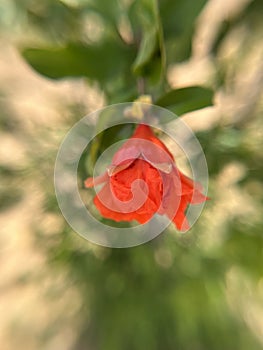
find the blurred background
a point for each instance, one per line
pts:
(59, 61)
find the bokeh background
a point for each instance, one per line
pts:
(62, 59)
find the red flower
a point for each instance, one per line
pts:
(143, 180)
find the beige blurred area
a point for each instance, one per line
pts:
(41, 110)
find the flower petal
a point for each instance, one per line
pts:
(180, 220)
(128, 152)
(144, 144)
(164, 167)
(117, 215)
(94, 181)
(144, 132)
(114, 169)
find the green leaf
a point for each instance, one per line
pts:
(98, 62)
(146, 50)
(178, 19)
(187, 99)
(144, 14)
(109, 10)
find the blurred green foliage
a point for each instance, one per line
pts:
(158, 35)
(170, 293)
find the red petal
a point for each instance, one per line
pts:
(180, 220)
(145, 144)
(114, 169)
(119, 216)
(144, 131)
(94, 181)
(120, 200)
(128, 152)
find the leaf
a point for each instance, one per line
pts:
(146, 51)
(178, 18)
(98, 62)
(187, 99)
(144, 14)
(109, 10)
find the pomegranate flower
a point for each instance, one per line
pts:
(143, 180)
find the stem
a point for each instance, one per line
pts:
(141, 85)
